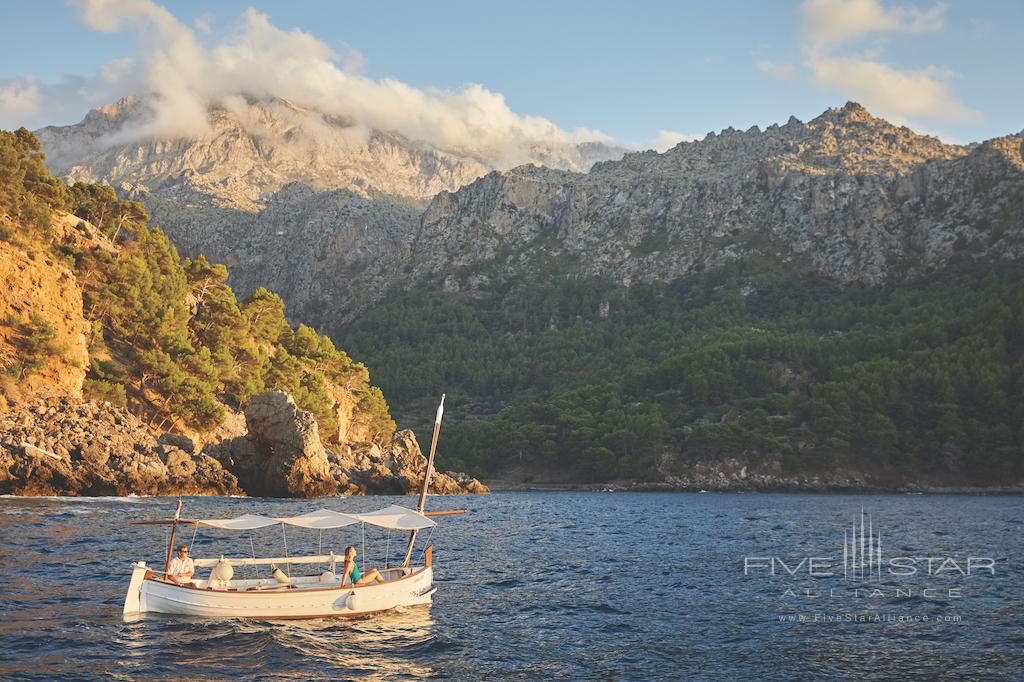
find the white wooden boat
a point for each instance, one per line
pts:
(319, 594)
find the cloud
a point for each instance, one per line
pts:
(785, 72)
(666, 139)
(899, 94)
(832, 31)
(828, 23)
(19, 99)
(184, 76)
(26, 102)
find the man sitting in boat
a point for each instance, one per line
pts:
(182, 569)
(352, 572)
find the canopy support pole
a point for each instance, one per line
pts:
(170, 544)
(426, 478)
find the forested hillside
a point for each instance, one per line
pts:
(167, 337)
(770, 363)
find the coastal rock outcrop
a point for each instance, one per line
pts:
(396, 470)
(282, 455)
(64, 446)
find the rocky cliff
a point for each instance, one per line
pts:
(318, 250)
(282, 455)
(254, 148)
(64, 446)
(853, 195)
(289, 198)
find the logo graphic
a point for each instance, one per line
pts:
(862, 560)
(862, 556)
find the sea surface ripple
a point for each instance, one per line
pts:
(538, 585)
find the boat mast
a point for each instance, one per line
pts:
(426, 478)
(170, 545)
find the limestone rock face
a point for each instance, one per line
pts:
(281, 455)
(289, 198)
(397, 470)
(34, 284)
(63, 446)
(252, 149)
(851, 195)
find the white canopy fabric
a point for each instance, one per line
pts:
(321, 519)
(393, 517)
(247, 522)
(397, 518)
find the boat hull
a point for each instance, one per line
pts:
(160, 596)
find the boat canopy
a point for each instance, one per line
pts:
(321, 519)
(247, 522)
(397, 518)
(393, 517)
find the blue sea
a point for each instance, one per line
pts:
(550, 585)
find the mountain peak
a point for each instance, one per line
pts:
(251, 147)
(851, 112)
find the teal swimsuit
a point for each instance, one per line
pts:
(355, 574)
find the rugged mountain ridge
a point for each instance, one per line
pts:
(854, 195)
(255, 147)
(287, 197)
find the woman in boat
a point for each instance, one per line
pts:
(353, 573)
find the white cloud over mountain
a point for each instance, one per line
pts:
(832, 31)
(828, 23)
(184, 76)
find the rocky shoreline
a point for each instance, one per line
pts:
(499, 486)
(66, 446)
(734, 476)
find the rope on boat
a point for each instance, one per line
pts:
(195, 529)
(287, 566)
(252, 545)
(362, 563)
(320, 551)
(426, 544)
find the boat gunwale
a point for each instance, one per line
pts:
(250, 593)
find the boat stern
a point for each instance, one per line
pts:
(133, 602)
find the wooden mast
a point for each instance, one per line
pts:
(170, 545)
(426, 478)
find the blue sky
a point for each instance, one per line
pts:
(629, 70)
